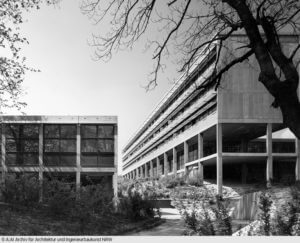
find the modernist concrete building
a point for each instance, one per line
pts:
(224, 134)
(61, 146)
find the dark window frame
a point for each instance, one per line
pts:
(99, 154)
(60, 154)
(22, 138)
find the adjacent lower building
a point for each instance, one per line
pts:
(80, 148)
(226, 134)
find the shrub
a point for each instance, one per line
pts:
(195, 180)
(287, 220)
(137, 205)
(264, 205)
(172, 181)
(202, 214)
(22, 190)
(59, 197)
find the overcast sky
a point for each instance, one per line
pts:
(71, 83)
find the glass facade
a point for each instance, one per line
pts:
(59, 145)
(22, 145)
(97, 145)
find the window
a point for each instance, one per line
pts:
(59, 145)
(97, 145)
(22, 144)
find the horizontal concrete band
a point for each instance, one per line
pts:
(59, 119)
(57, 169)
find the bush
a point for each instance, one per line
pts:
(59, 197)
(137, 205)
(264, 205)
(22, 190)
(287, 218)
(172, 181)
(194, 180)
(203, 215)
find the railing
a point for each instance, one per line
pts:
(259, 147)
(283, 147)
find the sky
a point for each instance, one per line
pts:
(70, 82)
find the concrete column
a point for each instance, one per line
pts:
(41, 138)
(77, 181)
(142, 171)
(166, 170)
(3, 153)
(174, 161)
(78, 152)
(269, 167)
(200, 155)
(185, 157)
(136, 173)
(115, 175)
(158, 167)
(146, 170)
(297, 142)
(151, 169)
(115, 187)
(219, 159)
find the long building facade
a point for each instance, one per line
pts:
(219, 134)
(74, 147)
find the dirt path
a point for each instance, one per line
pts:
(174, 225)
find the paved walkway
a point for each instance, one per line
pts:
(173, 226)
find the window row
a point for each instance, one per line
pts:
(60, 146)
(15, 131)
(31, 159)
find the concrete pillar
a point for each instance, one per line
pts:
(166, 170)
(3, 153)
(78, 165)
(151, 169)
(200, 155)
(185, 157)
(142, 171)
(115, 186)
(146, 170)
(158, 167)
(136, 173)
(174, 161)
(297, 159)
(77, 181)
(41, 138)
(115, 175)
(219, 159)
(269, 167)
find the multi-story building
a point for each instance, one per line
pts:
(72, 147)
(223, 134)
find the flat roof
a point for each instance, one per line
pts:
(58, 119)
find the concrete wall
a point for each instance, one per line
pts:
(241, 97)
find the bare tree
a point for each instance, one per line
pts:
(12, 64)
(193, 26)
